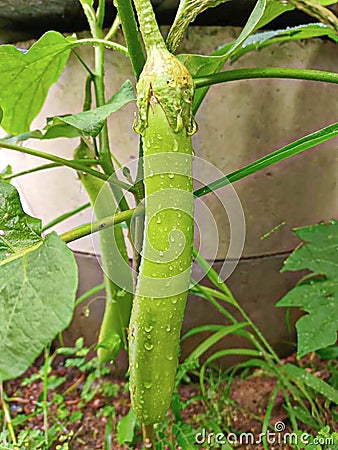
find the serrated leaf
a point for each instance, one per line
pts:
(319, 252)
(25, 78)
(89, 122)
(312, 381)
(37, 296)
(317, 296)
(18, 230)
(126, 428)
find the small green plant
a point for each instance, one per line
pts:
(317, 292)
(38, 272)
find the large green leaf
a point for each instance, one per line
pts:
(89, 122)
(18, 230)
(317, 295)
(37, 294)
(25, 78)
(38, 281)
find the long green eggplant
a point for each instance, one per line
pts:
(165, 94)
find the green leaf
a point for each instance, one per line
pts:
(319, 254)
(126, 428)
(330, 352)
(261, 40)
(312, 381)
(202, 65)
(226, 51)
(252, 25)
(36, 303)
(89, 122)
(25, 78)
(18, 230)
(316, 296)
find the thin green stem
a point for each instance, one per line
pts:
(150, 31)
(104, 43)
(40, 168)
(296, 147)
(45, 395)
(68, 163)
(148, 436)
(89, 293)
(131, 35)
(217, 281)
(65, 216)
(100, 12)
(113, 29)
(99, 225)
(266, 72)
(83, 63)
(8, 420)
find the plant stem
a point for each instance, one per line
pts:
(7, 415)
(100, 13)
(39, 168)
(148, 436)
(266, 72)
(104, 43)
(68, 163)
(215, 279)
(131, 35)
(113, 29)
(45, 395)
(105, 157)
(99, 225)
(150, 31)
(65, 216)
(296, 147)
(89, 293)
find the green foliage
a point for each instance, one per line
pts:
(86, 123)
(18, 230)
(318, 294)
(89, 122)
(311, 381)
(37, 297)
(292, 149)
(25, 78)
(266, 38)
(36, 303)
(126, 428)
